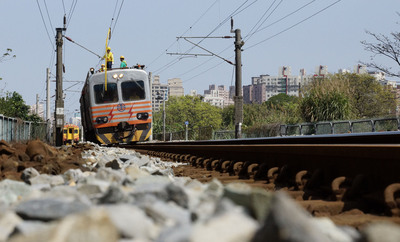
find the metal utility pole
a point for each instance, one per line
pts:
(59, 110)
(238, 98)
(151, 97)
(48, 94)
(164, 115)
(37, 104)
(48, 118)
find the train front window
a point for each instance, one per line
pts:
(132, 90)
(103, 96)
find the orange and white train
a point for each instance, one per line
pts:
(116, 109)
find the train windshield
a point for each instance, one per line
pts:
(103, 96)
(132, 90)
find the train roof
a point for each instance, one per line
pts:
(99, 75)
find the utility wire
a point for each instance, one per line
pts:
(224, 21)
(116, 21)
(65, 13)
(284, 17)
(265, 39)
(45, 26)
(292, 26)
(184, 33)
(218, 26)
(252, 33)
(48, 15)
(71, 11)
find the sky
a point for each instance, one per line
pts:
(295, 33)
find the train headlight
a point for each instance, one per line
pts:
(121, 75)
(115, 76)
(142, 116)
(102, 120)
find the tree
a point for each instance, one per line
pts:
(346, 96)
(187, 108)
(325, 99)
(6, 56)
(370, 99)
(386, 46)
(12, 105)
(280, 100)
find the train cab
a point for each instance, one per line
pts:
(116, 107)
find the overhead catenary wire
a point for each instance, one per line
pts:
(48, 15)
(71, 12)
(176, 60)
(63, 4)
(252, 46)
(116, 21)
(275, 22)
(198, 19)
(45, 26)
(284, 17)
(292, 26)
(259, 25)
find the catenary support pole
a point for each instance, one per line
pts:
(59, 110)
(48, 118)
(238, 98)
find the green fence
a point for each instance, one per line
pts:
(15, 129)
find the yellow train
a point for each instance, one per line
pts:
(70, 134)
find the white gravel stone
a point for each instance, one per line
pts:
(382, 232)
(13, 191)
(8, 222)
(132, 222)
(232, 226)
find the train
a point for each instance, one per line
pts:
(116, 106)
(70, 134)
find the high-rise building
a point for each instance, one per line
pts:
(218, 96)
(158, 91)
(37, 109)
(274, 85)
(175, 87)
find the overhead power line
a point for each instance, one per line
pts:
(284, 17)
(176, 60)
(259, 25)
(198, 19)
(292, 26)
(45, 26)
(48, 15)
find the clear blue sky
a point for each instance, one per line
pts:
(146, 30)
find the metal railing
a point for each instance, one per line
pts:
(15, 129)
(202, 133)
(341, 127)
(273, 130)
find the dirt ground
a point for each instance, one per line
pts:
(15, 157)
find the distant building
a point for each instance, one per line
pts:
(266, 86)
(157, 91)
(321, 71)
(218, 96)
(193, 93)
(214, 99)
(360, 69)
(76, 120)
(37, 109)
(175, 87)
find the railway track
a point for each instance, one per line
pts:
(344, 172)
